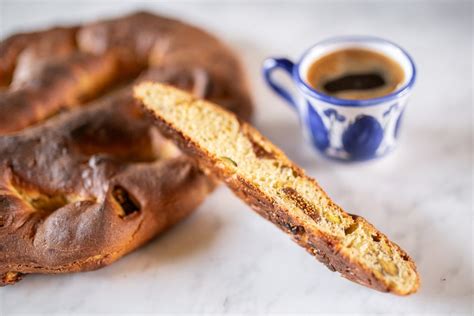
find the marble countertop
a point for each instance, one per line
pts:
(225, 258)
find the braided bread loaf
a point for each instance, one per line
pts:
(84, 178)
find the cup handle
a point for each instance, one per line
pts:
(271, 64)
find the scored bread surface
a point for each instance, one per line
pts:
(259, 173)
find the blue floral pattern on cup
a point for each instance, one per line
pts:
(349, 130)
(362, 138)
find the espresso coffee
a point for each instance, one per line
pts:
(355, 74)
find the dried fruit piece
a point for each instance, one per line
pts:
(302, 203)
(352, 228)
(376, 238)
(386, 248)
(332, 218)
(295, 230)
(388, 267)
(228, 161)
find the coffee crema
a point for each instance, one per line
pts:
(355, 74)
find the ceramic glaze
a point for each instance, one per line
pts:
(348, 130)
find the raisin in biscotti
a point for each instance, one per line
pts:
(260, 174)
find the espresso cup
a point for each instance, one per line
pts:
(345, 129)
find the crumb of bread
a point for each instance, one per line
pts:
(233, 144)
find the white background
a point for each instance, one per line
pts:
(226, 259)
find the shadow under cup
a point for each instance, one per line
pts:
(343, 129)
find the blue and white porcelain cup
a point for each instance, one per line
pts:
(347, 130)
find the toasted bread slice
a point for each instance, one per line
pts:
(260, 174)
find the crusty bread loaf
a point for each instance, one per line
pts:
(260, 174)
(52, 71)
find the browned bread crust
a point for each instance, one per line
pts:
(89, 187)
(34, 47)
(80, 189)
(261, 175)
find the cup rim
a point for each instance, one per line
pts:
(348, 102)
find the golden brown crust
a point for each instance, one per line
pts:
(34, 46)
(60, 206)
(81, 189)
(59, 85)
(57, 69)
(323, 246)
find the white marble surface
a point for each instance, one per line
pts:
(226, 259)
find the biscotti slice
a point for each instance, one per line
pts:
(260, 174)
